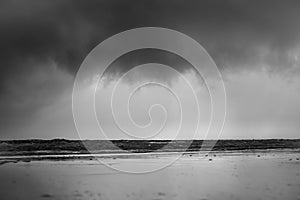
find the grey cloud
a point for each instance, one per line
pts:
(66, 31)
(144, 56)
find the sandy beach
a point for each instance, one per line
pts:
(240, 175)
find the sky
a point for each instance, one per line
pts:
(254, 43)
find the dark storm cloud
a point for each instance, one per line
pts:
(65, 31)
(42, 42)
(144, 56)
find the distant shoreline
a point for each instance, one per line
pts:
(66, 147)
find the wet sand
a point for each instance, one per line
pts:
(239, 175)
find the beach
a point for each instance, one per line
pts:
(268, 174)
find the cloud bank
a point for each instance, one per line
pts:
(43, 44)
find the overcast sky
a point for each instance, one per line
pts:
(255, 44)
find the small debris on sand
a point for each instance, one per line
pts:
(46, 195)
(161, 194)
(258, 155)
